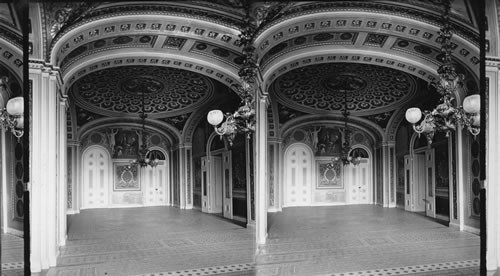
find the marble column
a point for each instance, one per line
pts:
(44, 152)
(389, 174)
(72, 177)
(250, 183)
(182, 172)
(62, 168)
(492, 183)
(261, 187)
(274, 173)
(188, 175)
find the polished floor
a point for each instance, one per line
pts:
(364, 240)
(131, 241)
(338, 240)
(12, 255)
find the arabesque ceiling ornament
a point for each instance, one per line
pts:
(167, 91)
(369, 88)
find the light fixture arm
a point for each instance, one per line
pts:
(445, 117)
(12, 116)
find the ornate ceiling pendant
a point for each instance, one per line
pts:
(146, 157)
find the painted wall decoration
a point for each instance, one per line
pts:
(124, 143)
(326, 141)
(126, 178)
(329, 174)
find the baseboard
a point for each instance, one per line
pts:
(126, 206)
(493, 272)
(472, 230)
(328, 204)
(15, 232)
(441, 217)
(454, 226)
(71, 212)
(240, 219)
(273, 210)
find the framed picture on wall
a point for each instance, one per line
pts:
(329, 174)
(125, 177)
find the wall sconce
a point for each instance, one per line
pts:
(242, 120)
(446, 116)
(11, 117)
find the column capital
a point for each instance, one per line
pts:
(274, 140)
(492, 62)
(389, 143)
(263, 98)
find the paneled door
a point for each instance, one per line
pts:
(204, 185)
(227, 185)
(359, 182)
(430, 183)
(298, 176)
(415, 183)
(215, 186)
(96, 180)
(156, 185)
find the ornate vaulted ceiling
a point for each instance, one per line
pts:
(381, 53)
(11, 40)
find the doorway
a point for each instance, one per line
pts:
(298, 176)
(96, 178)
(217, 195)
(359, 183)
(419, 182)
(156, 181)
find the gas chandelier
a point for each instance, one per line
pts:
(11, 117)
(243, 119)
(146, 157)
(445, 116)
(345, 151)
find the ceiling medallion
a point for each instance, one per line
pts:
(148, 85)
(344, 82)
